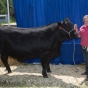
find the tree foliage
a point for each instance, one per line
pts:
(3, 7)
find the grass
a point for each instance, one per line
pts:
(11, 21)
(84, 85)
(35, 81)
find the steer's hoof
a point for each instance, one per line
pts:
(49, 71)
(9, 72)
(45, 76)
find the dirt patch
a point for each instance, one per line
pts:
(29, 75)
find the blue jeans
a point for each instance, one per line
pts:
(85, 55)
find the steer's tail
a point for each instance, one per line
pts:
(0, 39)
(0, 44)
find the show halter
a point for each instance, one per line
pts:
(68, 32)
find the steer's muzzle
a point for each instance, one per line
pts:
(74, 34)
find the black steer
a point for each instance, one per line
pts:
(42, 42)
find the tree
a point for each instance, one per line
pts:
(3, 7)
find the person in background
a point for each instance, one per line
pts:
(83, 35)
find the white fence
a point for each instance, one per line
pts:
(3, 18)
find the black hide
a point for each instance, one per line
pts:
(42, 42)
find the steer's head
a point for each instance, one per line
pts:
(67, 29)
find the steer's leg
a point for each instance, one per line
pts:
(4, 59)
(44, 72)
(48, 67)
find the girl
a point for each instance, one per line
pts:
(83, 34)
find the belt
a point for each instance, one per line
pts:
(85, 47)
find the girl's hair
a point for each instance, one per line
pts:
(86, 16)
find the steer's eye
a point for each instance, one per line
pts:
(66, 22)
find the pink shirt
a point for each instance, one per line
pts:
(84, 35)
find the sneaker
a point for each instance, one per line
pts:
(84, 73)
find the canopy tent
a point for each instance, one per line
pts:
(34, 13)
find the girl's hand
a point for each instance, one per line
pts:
(76, 28)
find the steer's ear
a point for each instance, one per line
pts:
(60, 25)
